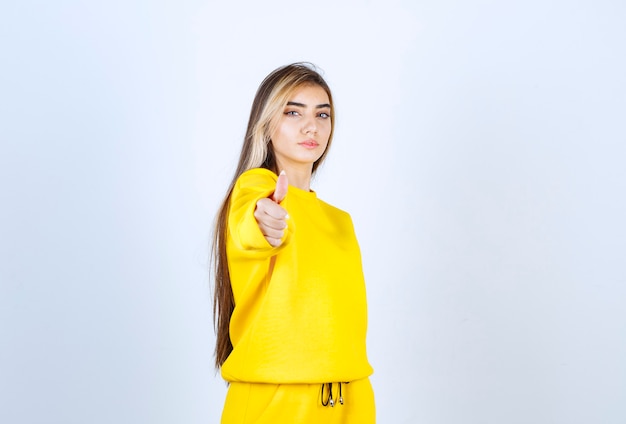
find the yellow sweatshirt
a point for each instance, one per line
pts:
(300, 309)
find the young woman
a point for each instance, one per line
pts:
(290, 303)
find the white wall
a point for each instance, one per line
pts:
(480, 148)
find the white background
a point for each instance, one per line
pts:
(480, 148)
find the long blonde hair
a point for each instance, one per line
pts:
(257, 152)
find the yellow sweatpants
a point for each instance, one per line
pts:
(254, 403)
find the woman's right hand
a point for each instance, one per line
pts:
(270, 216)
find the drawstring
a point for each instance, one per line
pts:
(330, 395)
(329, 400)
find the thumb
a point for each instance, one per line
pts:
(281, 188)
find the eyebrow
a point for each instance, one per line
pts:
(323, 105)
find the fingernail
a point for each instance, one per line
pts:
(282, 172)
(287, 216)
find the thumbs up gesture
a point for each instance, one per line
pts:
(271, 217)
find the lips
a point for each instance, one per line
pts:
(309, 144)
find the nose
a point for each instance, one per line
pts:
(310, 126)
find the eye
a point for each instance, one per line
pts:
(292, 113)
(324, 115)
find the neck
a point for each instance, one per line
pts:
(298, 176)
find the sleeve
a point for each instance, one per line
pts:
(243, 228)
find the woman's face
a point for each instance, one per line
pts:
(303, 129)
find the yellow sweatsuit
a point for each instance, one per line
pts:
(300, 314)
